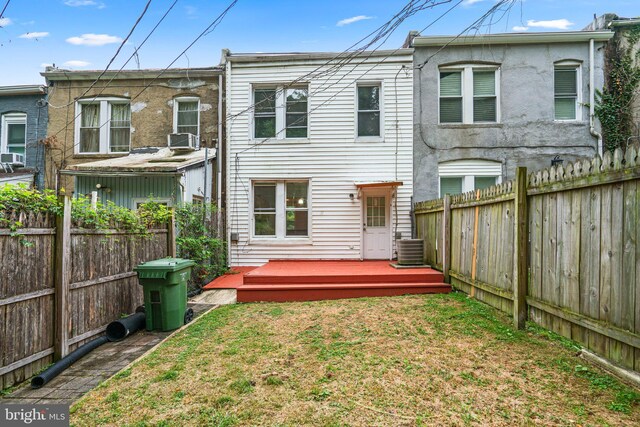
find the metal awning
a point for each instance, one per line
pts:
(376, 184)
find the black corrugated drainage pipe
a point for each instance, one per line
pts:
(116, 331)
(122, 328)
(65, 362)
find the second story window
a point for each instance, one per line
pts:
(14, 133)
(280, 112)
(565, 88)
(469, 94)
(368, 110)
(103, 126)
(187, 115)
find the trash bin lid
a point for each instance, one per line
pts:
(166, 265)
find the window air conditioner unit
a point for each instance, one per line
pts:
(183, 141)
(13, 159)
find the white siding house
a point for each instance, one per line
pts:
(319, 155)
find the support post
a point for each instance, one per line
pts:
(520, 262)
(62, 279)
(446, 238)
(171, 235)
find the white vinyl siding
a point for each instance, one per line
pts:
(331, 158)
(469, 94)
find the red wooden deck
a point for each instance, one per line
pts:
(320, 280)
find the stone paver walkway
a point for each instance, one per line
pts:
(95, 367)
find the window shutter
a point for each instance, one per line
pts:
(565, 82)
(450, 186)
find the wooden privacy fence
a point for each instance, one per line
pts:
(60, 286)
(558, 247)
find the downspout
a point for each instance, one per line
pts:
(218, 148)
(592, 98)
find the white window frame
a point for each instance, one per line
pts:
(105, 128)
(12, 119)
(468, 170)
(281, 210)
(467, 92)
(369, 83)
(140, 200)
(568, 64)
(281, 111)
(177, 101)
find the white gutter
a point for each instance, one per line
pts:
(592, 98)
(514, 38)
(22, 90)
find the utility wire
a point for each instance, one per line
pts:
(4, 8)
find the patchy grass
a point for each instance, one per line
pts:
(413, 360)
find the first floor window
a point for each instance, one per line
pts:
(565, 88)
(281, 209)
(462, 176)
(469, 95)
(103, 126)
(14, 133)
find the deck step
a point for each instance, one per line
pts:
(316, 292)
(328, 278)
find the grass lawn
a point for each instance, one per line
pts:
(413, 360)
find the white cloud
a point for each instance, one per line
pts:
(34, 35)
(94, 39)
(470, 2)
(76, 63)
(5, 21)
(79, 3)
(353, 19)
(519, 28)
(557, 24)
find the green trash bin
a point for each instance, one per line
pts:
(164, 282)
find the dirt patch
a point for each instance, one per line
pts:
(414, 360)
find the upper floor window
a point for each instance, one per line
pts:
(14, 133)
(368, 110)
(566, 93)
(186, 115)
(469, 94)
(280, 112)
(103, 126)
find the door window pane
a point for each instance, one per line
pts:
(376, 211)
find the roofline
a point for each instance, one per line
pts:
(513, 38)
(171, 73)
(22, 90)
(625, 22)
(302, 56)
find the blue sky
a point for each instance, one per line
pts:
(84, 34)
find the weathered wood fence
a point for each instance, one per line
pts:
(558, 247)
(60, 286)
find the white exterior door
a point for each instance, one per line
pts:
(376, 226)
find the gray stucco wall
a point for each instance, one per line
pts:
(527, 134)
(36, 128)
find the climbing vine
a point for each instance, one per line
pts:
(613, 103)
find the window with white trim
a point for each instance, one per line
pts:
(566, 91)
(469, 94)
(103, 126)
(461, 176)
(186, 115)
(280, 112)
(280, 209)
(14, 133)
(368, 110)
